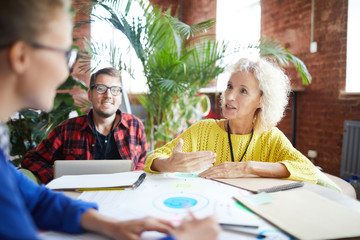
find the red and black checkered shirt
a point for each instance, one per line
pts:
(74, 140)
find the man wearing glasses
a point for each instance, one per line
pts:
(103, 133)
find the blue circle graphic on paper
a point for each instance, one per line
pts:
(180, 202)
(175, 202)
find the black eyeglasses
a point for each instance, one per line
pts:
(70, 54)
(101, 88)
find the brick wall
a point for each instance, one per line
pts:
(198, 11)
(167, 4)
(320, 109)
(79, 34)
(190, 11)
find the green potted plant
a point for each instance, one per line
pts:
(28, 127)
(177, 61)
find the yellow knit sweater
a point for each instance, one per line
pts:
(271, 146)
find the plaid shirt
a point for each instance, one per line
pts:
(74, 140)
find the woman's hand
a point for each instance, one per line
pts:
(132, 230)
(184, 162)
(243, 169)
(206, 228)
(203, 229)
(226, 170)
(93, 221)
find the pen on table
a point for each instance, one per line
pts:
(98, 189)
(238, 225)
(139, 181)
(236, 229)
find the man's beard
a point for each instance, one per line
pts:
(104, 114)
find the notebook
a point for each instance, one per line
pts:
(306, 215)
(98, 182)
(80, 167)
(257, 184)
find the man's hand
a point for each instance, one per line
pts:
(184, 162)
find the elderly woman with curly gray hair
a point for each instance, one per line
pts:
(247, 141)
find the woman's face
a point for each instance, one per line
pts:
(242, 96)
(48, 68)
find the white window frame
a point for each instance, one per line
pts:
(353, 48)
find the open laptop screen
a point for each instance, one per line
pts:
(80, 167)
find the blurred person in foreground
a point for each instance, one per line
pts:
(35, 38)
(247, 142)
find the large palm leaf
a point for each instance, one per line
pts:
(274, 49)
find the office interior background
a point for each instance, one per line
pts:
(319, 32)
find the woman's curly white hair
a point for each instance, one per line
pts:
(274, 86)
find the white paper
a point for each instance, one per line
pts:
(95, 180)
(151, 199)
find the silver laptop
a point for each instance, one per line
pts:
(80, 167)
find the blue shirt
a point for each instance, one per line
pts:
(26, 207)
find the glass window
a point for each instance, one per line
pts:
(114, 45)
(238, 23)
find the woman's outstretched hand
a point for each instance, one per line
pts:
(180, 161)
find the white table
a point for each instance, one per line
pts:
(212, 197)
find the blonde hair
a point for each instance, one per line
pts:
(25, 20)
(274, 86)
